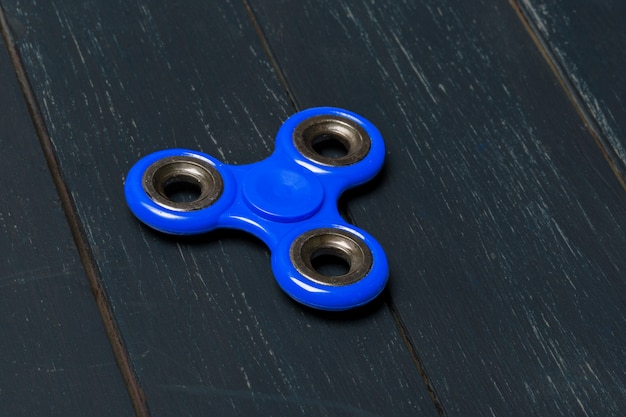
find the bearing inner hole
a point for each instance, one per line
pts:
(331, 256)
(182, 189)
(183, 183)
(331, 138)
(331, 262)
(330, 145)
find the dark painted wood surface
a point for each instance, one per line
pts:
(505, 226)
(206, 327)
(504, 223)
(586, 40)
(55, 359)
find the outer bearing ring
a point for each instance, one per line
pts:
(183, 170)
(334, 242)
(315, 131)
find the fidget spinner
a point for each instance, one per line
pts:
(288, 200)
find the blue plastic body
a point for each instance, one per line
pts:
(277, 199)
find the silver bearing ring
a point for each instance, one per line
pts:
(339, 244)
(197, 181)
(331, 140)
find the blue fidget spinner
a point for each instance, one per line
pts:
(288, 200)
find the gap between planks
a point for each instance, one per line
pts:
(121, 354)
(401, 328)
(266, 47)
(570, 90)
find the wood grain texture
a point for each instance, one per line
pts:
(206, 327)
(586, 42)
(55, 357)
(504, 224)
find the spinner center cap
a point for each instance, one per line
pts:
(283, 194)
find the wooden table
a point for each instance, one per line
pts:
(501, 206)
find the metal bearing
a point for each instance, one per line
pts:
(331, 140)
(340, 244)
(195, 177)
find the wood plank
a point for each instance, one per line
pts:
(586, 42)
(504, 225)
(206, 327)
(56, 358)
